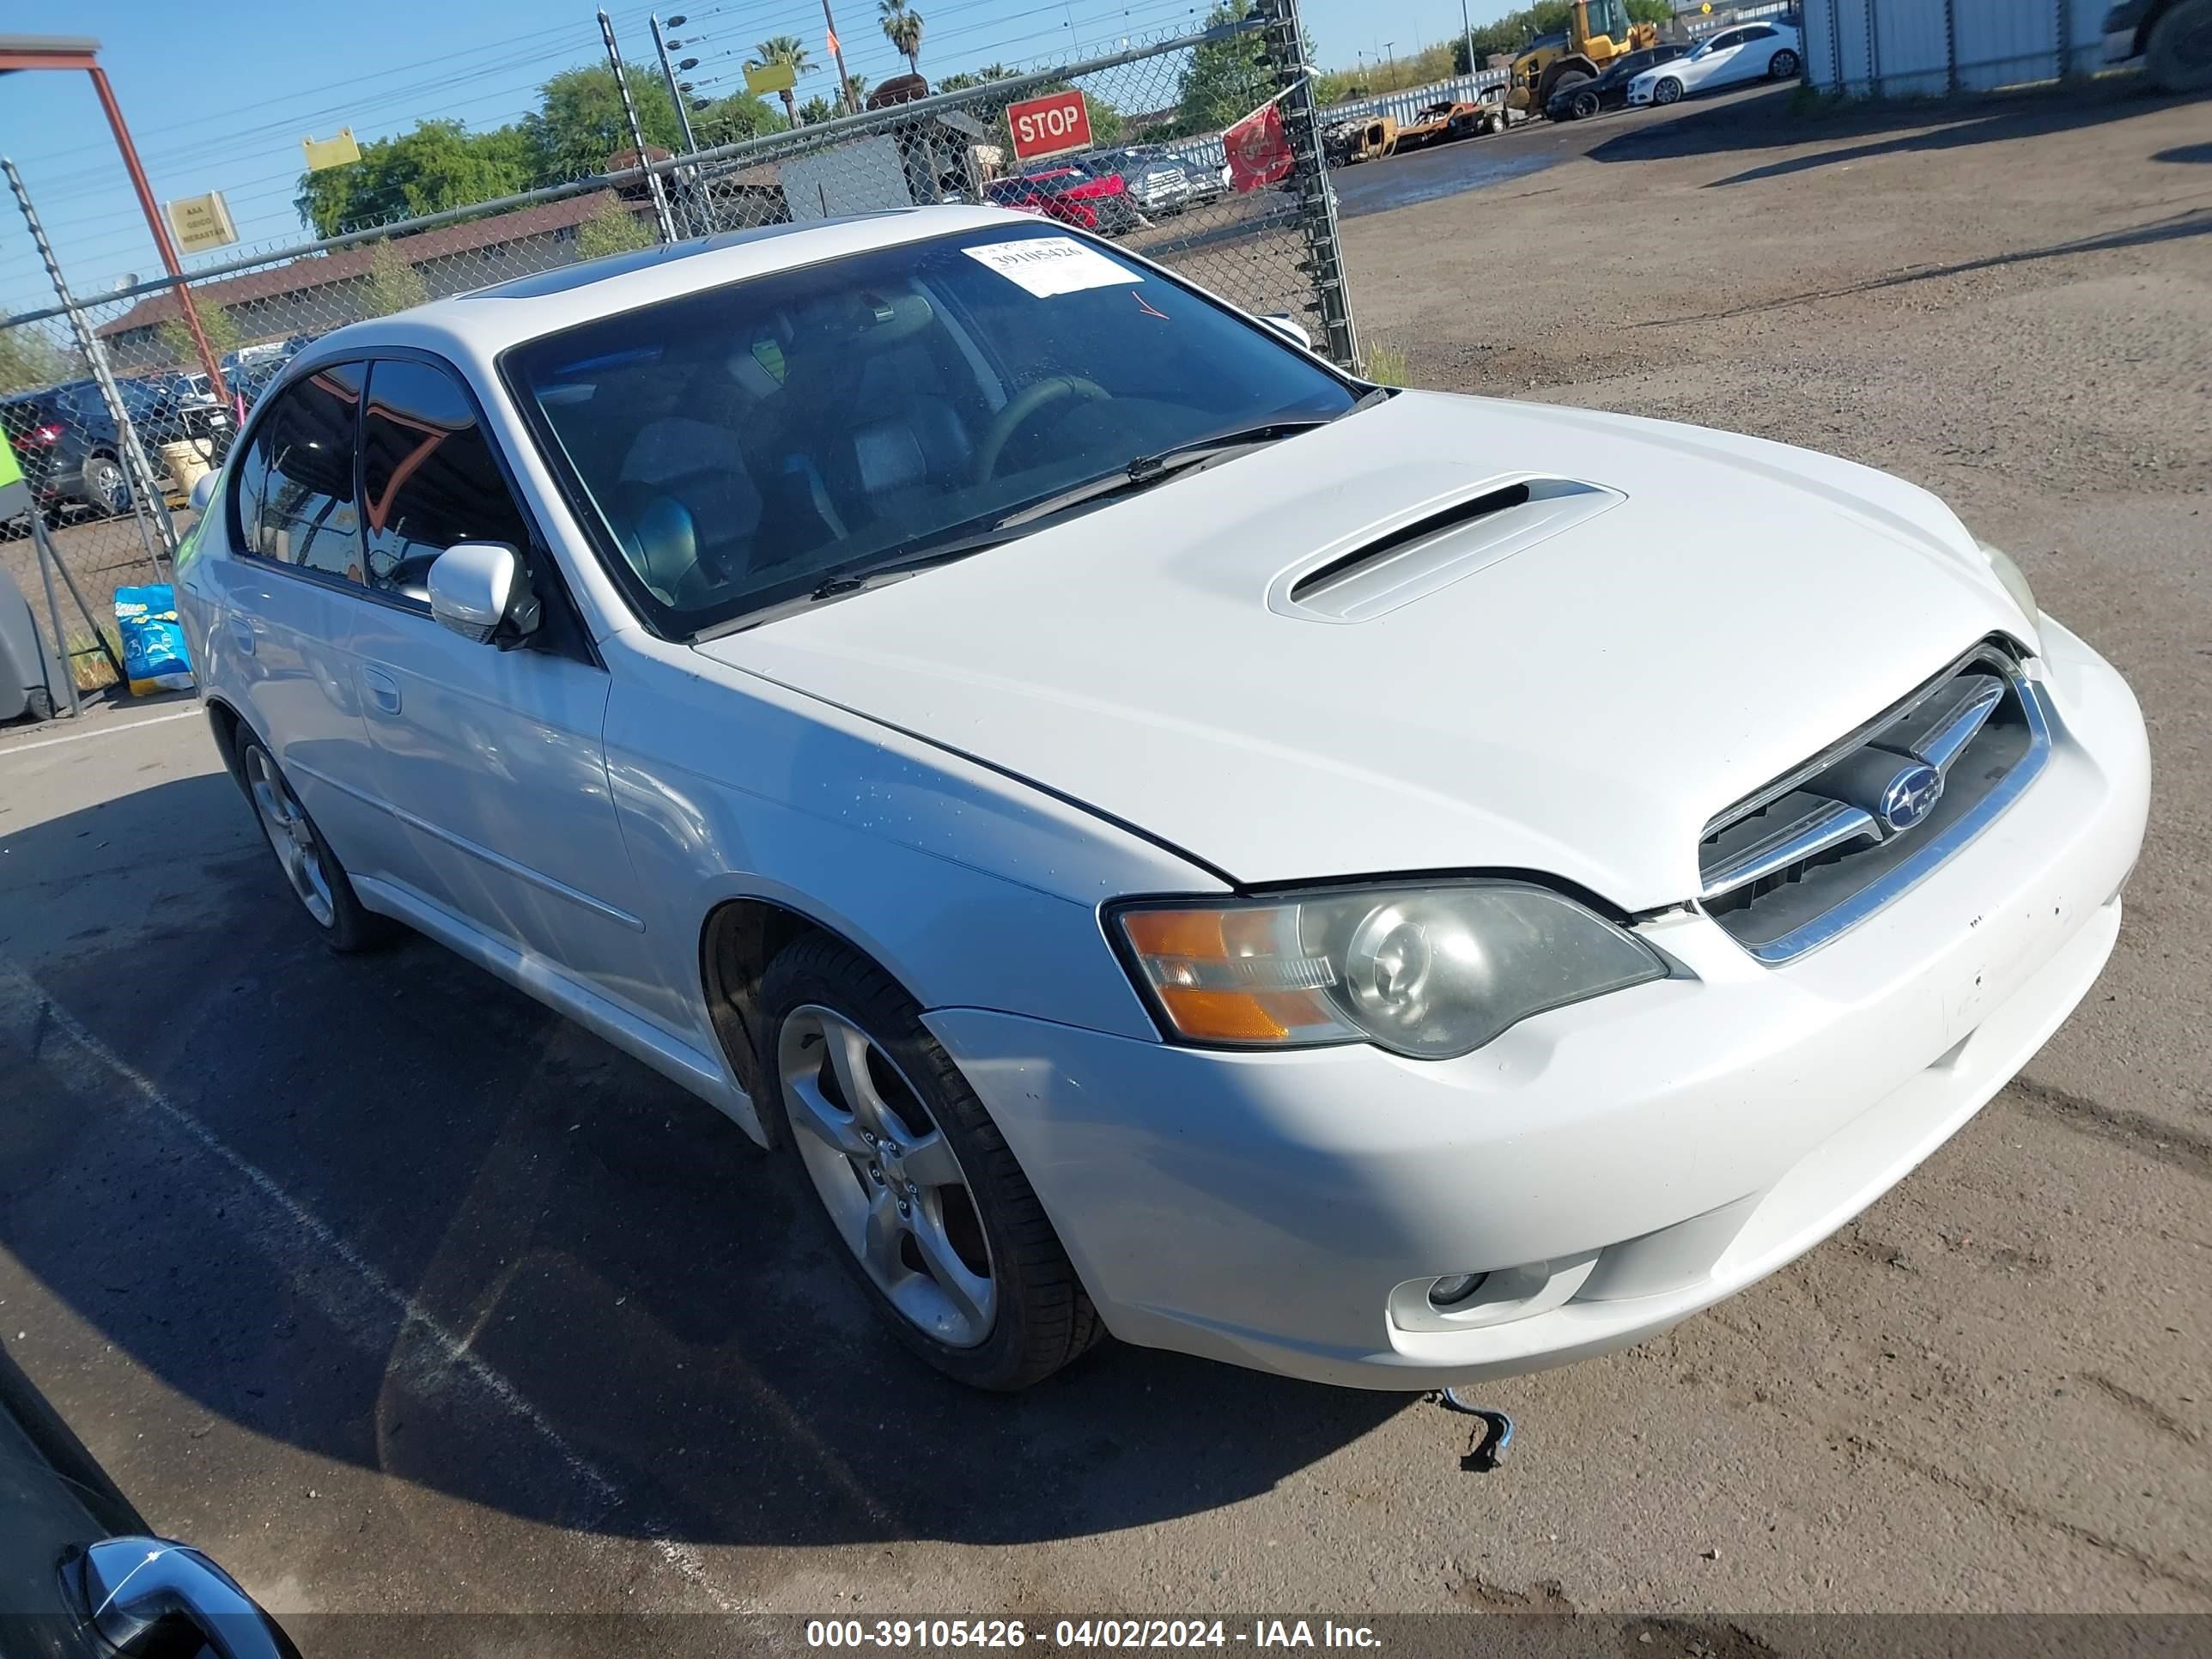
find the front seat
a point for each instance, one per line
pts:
(698, 470)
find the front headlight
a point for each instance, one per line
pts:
(1429, 971)
(2014, 582)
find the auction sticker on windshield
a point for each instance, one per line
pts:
(1046, 266)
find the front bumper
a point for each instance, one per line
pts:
(1613, 1166)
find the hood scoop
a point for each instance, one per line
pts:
(1432, 546)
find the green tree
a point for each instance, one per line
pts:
(28, 360)
(740, 115)
(1225, 80)
(580, 122)
(815, 109)
(856, 92)
(439, 164)
(613, 228)
(785, 49)
(902, 26)
(393, 284)
(176, 334)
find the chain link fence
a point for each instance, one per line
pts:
(85, 383)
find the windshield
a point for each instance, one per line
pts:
(743, 444)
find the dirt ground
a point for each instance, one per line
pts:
(399, 1294)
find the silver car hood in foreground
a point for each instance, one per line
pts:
(1573, 686)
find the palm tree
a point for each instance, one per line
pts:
(856, 91)
(784, 49)
(902, 28)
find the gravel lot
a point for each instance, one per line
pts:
(400, 1294)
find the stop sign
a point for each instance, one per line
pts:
(1058, 122)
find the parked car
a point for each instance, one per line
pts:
(84, 1577)
(1733, 58)
(1159, 183)
(1070, 193)
(66, 442)
(1609, 90)
(1157, 834)
(2173, 38)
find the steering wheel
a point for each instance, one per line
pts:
(1023, 404)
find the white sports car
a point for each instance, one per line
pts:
(1157, 834)
(1733, 57)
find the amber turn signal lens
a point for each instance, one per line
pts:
(1234, 977)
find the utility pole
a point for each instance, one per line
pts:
(694, 195)
(637, 132)
(837, 56)
(1468, 28)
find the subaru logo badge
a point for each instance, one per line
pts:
(1911, 796)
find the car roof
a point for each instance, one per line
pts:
(475, 327)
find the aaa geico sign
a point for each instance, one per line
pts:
(1049, 126)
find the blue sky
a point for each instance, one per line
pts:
(220, 99)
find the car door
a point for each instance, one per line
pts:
(281, 606)
(1748, 61)
(1709, 67)
(489, 758)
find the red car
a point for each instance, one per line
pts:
(1071, 193)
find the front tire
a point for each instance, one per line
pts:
(1783, 65)
(311, 870)
(1585, 104)
(1669, 91)
(896, 1154)
(2178, 57)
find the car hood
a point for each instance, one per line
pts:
(1578, 706)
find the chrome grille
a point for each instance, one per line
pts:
(1823, 847)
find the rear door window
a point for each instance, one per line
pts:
(295, 500)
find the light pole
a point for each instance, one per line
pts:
(1468, 28)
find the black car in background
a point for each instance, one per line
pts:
(70, 452)
(82, 1577)
(1610, 90)
(66, 440)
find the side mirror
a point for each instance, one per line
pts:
(1290, 328)
(476, 587)
(204, 491)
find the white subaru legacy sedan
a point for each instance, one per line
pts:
(1156, 836)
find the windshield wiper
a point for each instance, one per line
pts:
(1146, 470)
(845, 585)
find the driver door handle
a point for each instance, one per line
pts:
(383, 688)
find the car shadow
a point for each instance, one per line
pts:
(2193, 222)
(1851, 132)
(389, 1211)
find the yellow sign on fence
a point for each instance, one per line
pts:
(769, 78)
(330, 152)
(202, 222)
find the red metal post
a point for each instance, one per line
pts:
(167, 249)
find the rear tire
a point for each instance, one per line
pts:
(1783, 65)
(107, 486)
(1026, 1315)
(38, 703)
(2178, 57)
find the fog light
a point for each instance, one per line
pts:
(1454, 1289)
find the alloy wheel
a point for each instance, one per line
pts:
(1666, 92)
(109, 489)
(888, 1176)
(290, 836)
(1783, 65)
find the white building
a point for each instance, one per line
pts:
(1909, 48)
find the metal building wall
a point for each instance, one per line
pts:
(1909, 48)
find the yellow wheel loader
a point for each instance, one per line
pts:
(1598, 31)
